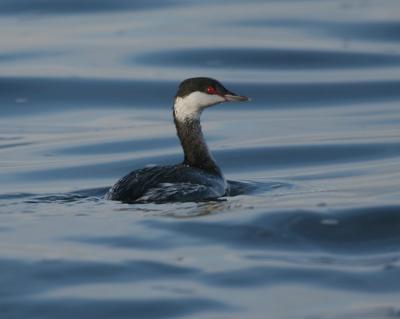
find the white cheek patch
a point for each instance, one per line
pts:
(191, 106)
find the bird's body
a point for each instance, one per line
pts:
(198, 178)
(174, 183)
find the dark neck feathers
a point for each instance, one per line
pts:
(194, 147)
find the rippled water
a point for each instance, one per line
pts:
(85, 97)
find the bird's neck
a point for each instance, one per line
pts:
(194, 147)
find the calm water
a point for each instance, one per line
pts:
(85, 97)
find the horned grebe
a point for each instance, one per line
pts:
(198, 178)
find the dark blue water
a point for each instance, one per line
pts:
(313, 230)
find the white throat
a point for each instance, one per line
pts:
(191, 106)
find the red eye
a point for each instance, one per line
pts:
(210, 90)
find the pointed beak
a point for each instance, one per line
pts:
(232, 97)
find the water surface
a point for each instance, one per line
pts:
(313, 230)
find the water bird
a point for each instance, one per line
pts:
(198, 177)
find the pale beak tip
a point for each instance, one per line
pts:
(237, 98)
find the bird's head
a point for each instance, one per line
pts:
(196, 94)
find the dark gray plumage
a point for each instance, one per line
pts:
(159, 184)
(200, 84)
(198, 178)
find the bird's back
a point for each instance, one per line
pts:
(160, 184)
